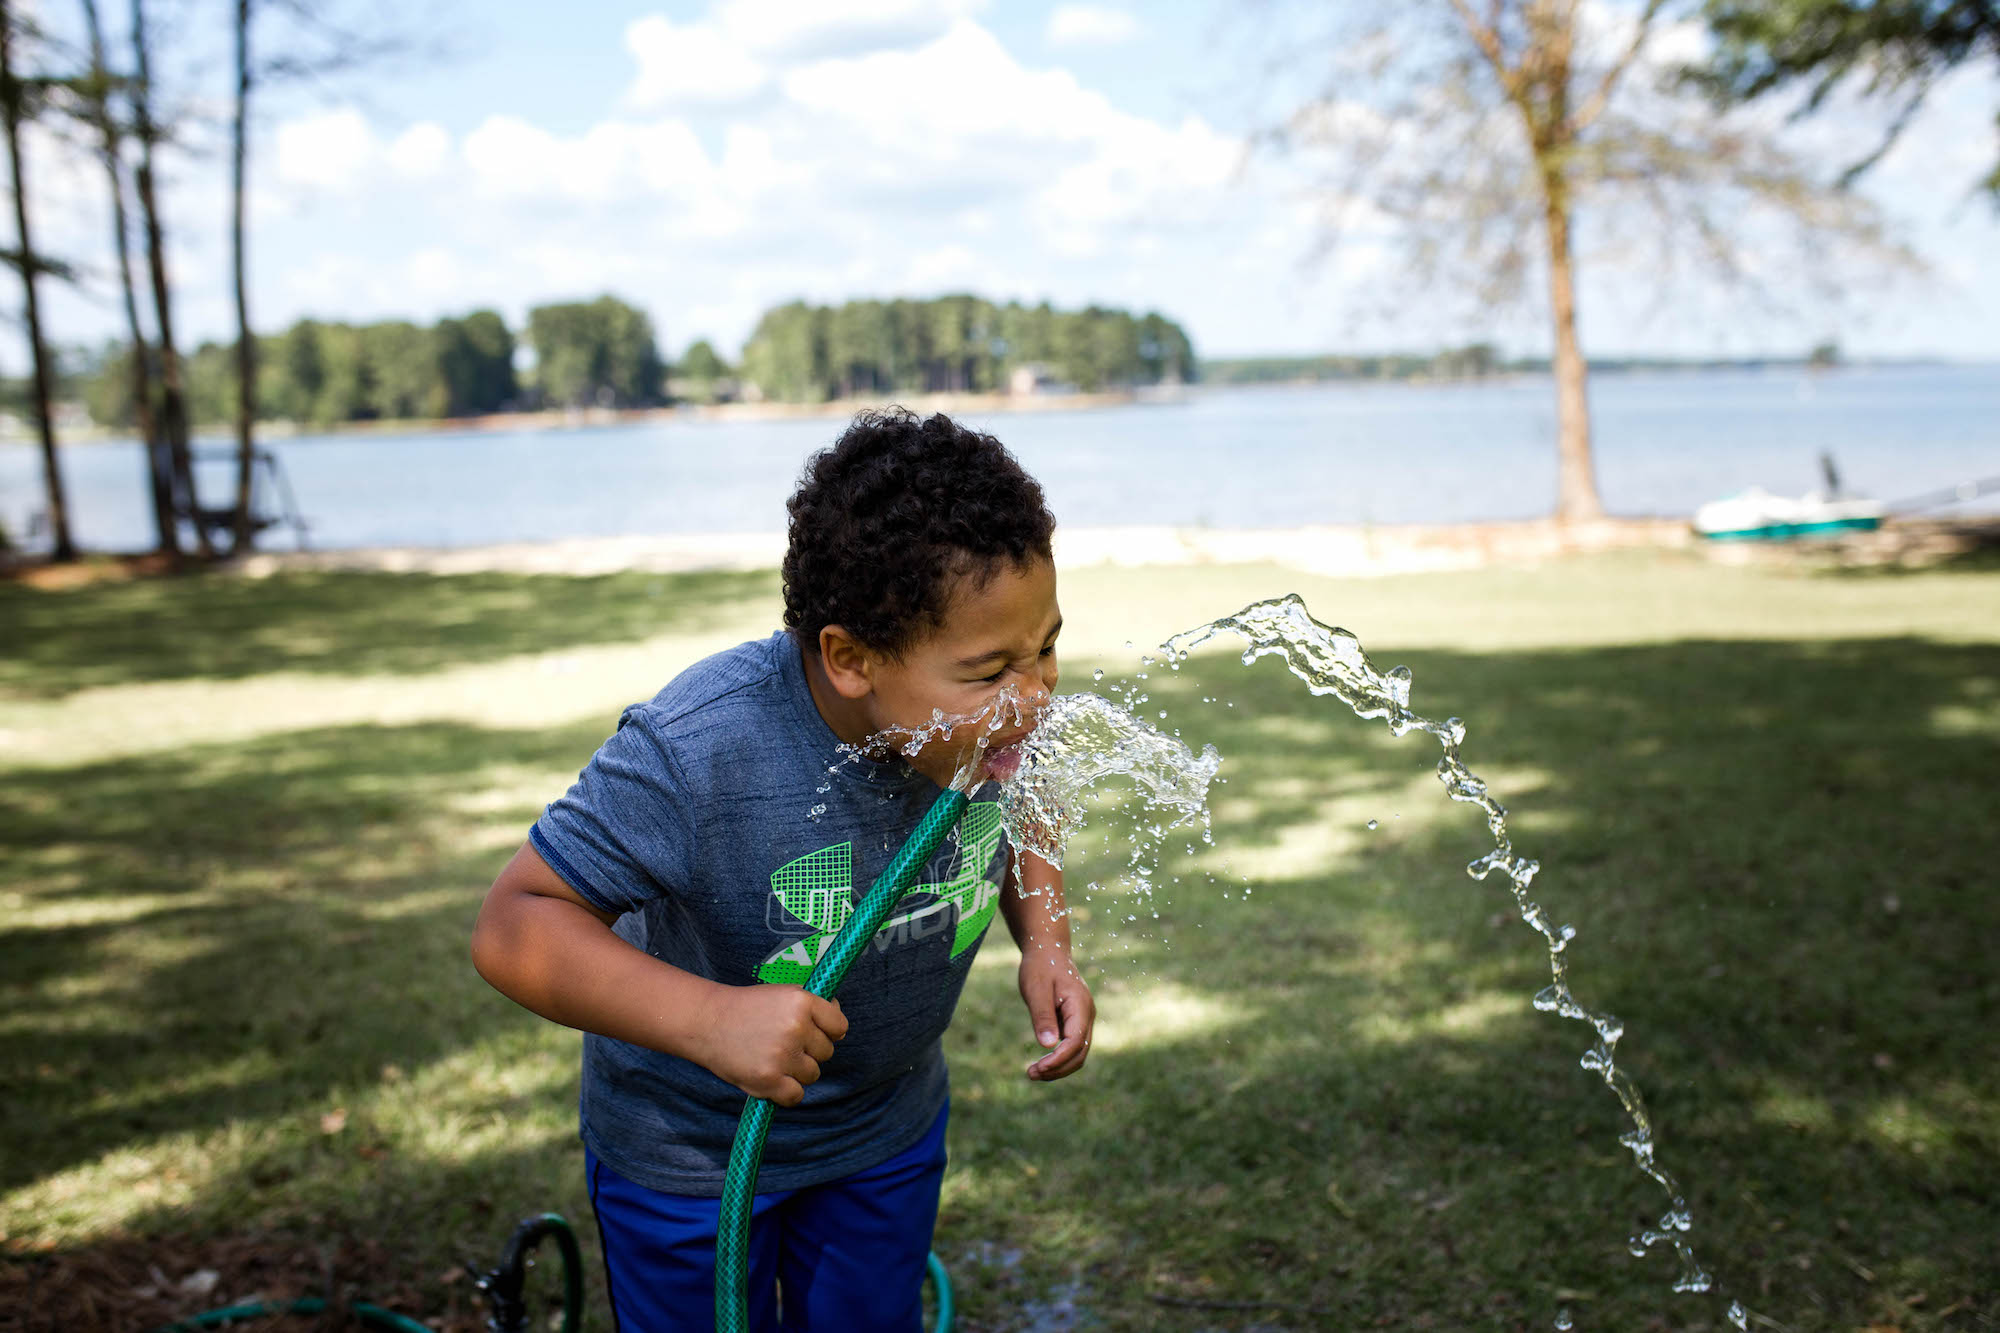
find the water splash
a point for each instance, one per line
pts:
(1048, 755)
(1083, 739)
(1331, 661)
(1072, 742)
(982, 744)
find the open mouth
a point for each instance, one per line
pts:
(1004, 761)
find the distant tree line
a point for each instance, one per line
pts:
(323, 373)
(603, 353)
(956, 344)
(1477, 361)
(1456, 363)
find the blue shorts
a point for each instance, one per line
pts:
(848, 1254)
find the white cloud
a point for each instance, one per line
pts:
(1142, 177)
(948, 266)
(420, 151)
(806, 29)
(612, 160)
(964, 86)
(1090, 25)
(691, 63)
(892, 147)
(328, 150)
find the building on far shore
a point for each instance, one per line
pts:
(1033, 377)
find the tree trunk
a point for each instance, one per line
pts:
(173, 394)
(246, 354)
(1576, 476)
(159, 465)
(10, 111)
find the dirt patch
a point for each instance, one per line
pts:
(132, 1283)
(51, 577)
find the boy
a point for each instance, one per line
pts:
(671, 903)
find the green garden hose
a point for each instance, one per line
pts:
(739, 1184)
(502, 1287)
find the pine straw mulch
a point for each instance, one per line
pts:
(129, 1285)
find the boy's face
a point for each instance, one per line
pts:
(995, 635)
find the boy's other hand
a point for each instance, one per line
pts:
(1060, 1007)
(771, 1040)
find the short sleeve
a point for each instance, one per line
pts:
(621, 836)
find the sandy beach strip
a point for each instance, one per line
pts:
(1330, 550)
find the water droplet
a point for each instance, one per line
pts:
(1738, 1316)
(1097, 674)
(1564, 1322)
(1374, 824)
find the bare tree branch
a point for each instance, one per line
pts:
(1473, 168)
(1486, 36)
(1593, 105)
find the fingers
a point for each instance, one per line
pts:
(1078, 1015)
(819, 1046)
(1065, 1059)
(788, 1086)
(828, 1018)
(774, 1040)
(1042, 1016)
(817, 1027)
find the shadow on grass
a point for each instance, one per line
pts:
(1774, 855)
(238, 930)
(219, 626)
(242, 1030)
(1777, 856)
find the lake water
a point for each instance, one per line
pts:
(1278, 457)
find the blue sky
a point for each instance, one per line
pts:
(709, 159)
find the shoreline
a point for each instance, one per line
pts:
(1327, 550)
(1332, 550)
(594, 418)
(955, 403)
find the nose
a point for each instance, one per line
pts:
(1036, 688)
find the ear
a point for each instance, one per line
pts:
(850, 667)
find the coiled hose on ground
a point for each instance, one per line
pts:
(502, 1288)
(739, 1184)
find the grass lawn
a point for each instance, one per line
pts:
(244, 826)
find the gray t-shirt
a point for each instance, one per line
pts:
(711, 823)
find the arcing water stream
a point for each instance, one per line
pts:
(1081, 739)
(1331, 661)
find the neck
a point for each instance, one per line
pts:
(844, 715)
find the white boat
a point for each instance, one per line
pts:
(1758, 515)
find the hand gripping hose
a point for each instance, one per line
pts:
(732, 1240)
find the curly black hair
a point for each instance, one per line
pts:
(892, 515)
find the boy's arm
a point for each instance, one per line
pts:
(543, 946)
(1059, 1002)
